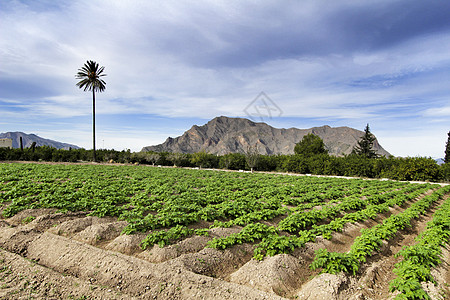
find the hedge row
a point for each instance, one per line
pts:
(411, 168)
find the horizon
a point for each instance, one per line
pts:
(71, 144)
(172, 65)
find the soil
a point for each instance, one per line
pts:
(75, 256)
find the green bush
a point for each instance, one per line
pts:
(444, 171)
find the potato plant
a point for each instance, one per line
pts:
(276, 213)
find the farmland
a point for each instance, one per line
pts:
(144, 232)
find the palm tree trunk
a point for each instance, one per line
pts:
(93, 123)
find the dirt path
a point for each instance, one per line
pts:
(37, 263)
(24, 279)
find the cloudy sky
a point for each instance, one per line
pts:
(173, 64)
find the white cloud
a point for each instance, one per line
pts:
(438, 112)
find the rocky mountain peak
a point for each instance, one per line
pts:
(28, 139)
(223, 135)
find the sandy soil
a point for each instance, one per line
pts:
(74, 256)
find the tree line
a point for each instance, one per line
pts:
(410, 168)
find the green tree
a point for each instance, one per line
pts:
(153, 158)
(176, 158)
(252, 157)
(204, 160)
(226, 160)
(447, 150)
(233, 161)
(90, 75)
(365, 145)
(310, 145)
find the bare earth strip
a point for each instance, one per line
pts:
(24, 279)
(87, 268)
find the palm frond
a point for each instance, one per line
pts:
(90, 75)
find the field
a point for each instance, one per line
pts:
(71, 231)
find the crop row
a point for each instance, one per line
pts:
(331, 209)
(371, 239)
(165, 202)
(281, 244)
(292, 222)
(151, 198)
(273, 243)
(420, 258)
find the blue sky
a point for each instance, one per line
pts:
(173, 64)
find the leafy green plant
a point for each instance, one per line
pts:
(28, 219)
(371, 239)
(164, 237)
(335, 262)
(418, 259)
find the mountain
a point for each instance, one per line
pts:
(439, 161)
(28, 139)
(224, 135)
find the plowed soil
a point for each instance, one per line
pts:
(75, 256)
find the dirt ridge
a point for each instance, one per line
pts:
(85, 256)
(126, 276)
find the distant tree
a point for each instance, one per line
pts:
(365, 145)
(252, 157)
(447, 150)
(143, 157)
(226, 160)
(153, 158)
(90, 75)
(310, 145)
(176, 158)
(201, 159)
(233, 161)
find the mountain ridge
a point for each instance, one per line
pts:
(223, 135)
(28, 139)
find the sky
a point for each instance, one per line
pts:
(173, 64)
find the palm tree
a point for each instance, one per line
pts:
(90, 75)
